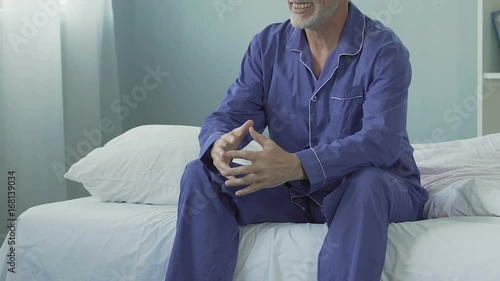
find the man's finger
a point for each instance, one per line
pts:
(260, 139)
(246, 180)
(220, 161)
(243, 154)
(241, 170)
(226, 139)
(222, 167)
(216, 152)
(243, 129)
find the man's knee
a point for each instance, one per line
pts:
(368, 173)
(194, 167)
(195, 174)
(197, 190)
(369, 183)
(196, 182)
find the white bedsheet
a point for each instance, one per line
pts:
(462, 177)
(484, 142)
(89, 240)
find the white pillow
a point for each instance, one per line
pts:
(462, 177)
(143, 165)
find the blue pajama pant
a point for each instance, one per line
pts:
(357, 212)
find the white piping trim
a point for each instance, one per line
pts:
(291, 199)
(333, 72)
(214, 135)
(345, 54)
(315, 201)
(210, 137)
(321, 165)
(310, 131)
(309, 113)
(310, 71)
(315, 81)
(349, 98)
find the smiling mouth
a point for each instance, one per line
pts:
(301, 6)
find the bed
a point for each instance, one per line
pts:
(88, 239)
(94, 239)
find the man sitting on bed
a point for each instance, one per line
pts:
(331, 85)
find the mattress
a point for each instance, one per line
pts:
(89, 240)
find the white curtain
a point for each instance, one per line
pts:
(59, 94)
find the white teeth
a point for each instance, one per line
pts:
(301, 6)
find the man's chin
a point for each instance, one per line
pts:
(301, 22)
(298, 23)
(302, 25)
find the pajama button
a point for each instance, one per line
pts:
(314, 99)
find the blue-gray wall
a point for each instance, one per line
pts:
(200, 47)
(201, 43)
(442, 38)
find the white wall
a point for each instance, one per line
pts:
(90, 81)
(33, 130)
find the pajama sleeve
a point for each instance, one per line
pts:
(243, 101)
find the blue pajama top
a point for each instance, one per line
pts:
(352, 116)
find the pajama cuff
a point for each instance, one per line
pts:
(205, 156)
(313, 168)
